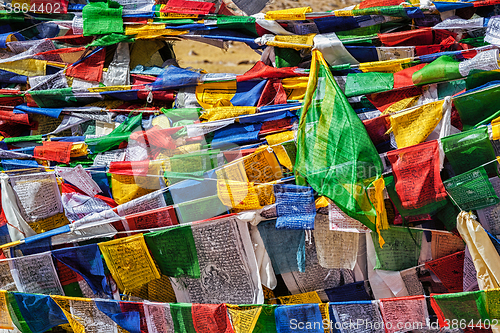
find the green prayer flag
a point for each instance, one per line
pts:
(101, 18)
(23, 138)
(368, 83)
(448, 215)
(287, 57)
(401, 249)
(245, 23)
(51, 98)
(117, 136)
(334, 152)
(463, 306)
(476, 106)
(175, 251)
(111, 40)
(200, 209)
(444, 68)
(182, 114)
(471, 190)
(266, 322)
(470, 149)
(182, 317)
(15, 314)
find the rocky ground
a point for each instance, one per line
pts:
(238, 58)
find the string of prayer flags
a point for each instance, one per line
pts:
(416, 171)
(338, 175)
(295, 207)
(450, 270)
(472, 190)
(407, 312)
(286, 248)
(401, 250)
(129, 262)
(175, 251)
(470, 149)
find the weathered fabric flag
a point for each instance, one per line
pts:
(334, 152)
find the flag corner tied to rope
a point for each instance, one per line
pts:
(334, 152)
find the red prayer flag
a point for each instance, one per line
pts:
(262, 71)
(450, 270)
(422, 36)
(211, 318)
(273, 93)
(89, 69)
(54, 151)
(416, 173)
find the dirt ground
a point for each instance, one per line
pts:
(239, 58)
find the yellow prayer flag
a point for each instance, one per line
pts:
(414, 126)
(210, 94)
(77, 324)
(288, 14)
(484, 256)
(225, 112)
(244, 318)
(495, 126)
(49, 223)
(265, 192)
(283, 157)
(325, 314)
(127, 187)
(262, 166)
(129, 262)
(311, 297)
(27, 67)
(237, 195)
(321, 202)
(296, 42)
(378, 201)
(405, 103)
(78, 149)
(386, 66)
(5, 320)
(275, 139)
(295, 87)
